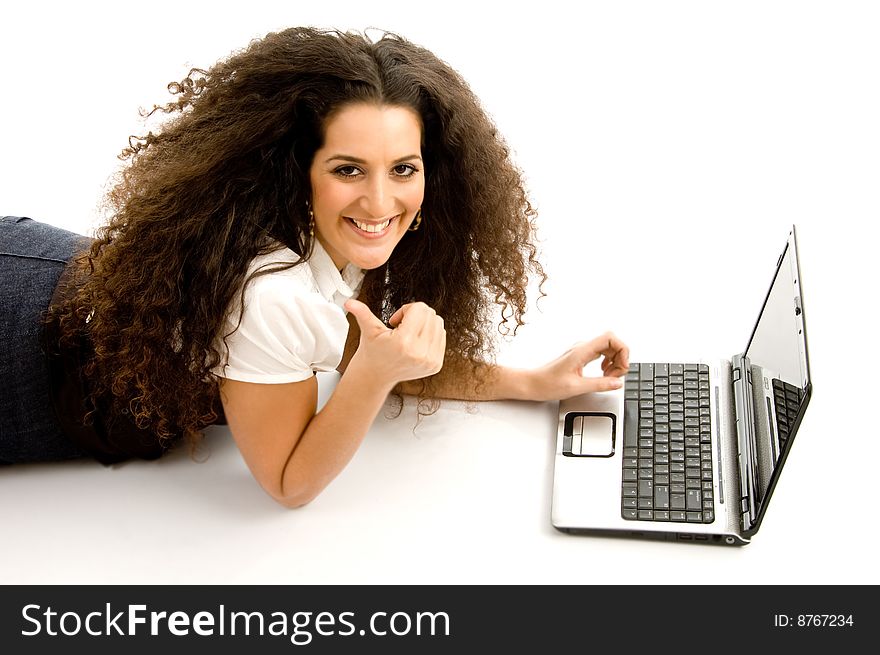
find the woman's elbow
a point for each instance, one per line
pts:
(295, 498)
(292, 503)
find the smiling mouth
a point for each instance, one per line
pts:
(371, 228)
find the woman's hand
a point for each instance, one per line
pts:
(564, 377)
(412, 348)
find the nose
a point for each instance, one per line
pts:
(379, 198)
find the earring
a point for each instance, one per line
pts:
(416, 221)
(311, 222)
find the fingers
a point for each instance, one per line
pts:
(614, 351)
(438, 341)
(424, 329)
(616, 362)
(414, 318)
(413, 347)
(396, 317)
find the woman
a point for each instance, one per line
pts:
(306, 171)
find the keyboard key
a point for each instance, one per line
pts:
(661, 497)
(630, 423)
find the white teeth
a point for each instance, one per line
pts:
(371, 227)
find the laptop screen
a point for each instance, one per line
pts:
(780, 376)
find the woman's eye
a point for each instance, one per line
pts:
(404, 170)
(347, 171)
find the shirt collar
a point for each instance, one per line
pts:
(333, 285)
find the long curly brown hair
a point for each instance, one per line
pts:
(226, 177)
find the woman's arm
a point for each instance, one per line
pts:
(562, 378)
(559, 379)
(293, 452)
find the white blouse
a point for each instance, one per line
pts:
(293, 322)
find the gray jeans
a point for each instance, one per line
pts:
(32, 256)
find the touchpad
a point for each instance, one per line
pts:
(591, 434)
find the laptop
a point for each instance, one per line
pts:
(690, 451)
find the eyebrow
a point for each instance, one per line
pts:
(358, 160)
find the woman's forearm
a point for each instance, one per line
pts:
(333, 435)
(561, 378)
(477, 381)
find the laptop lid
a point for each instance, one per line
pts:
(777, 378)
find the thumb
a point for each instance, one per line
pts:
(365, 318)
(602, 384)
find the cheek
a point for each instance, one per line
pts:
(331, 196)
(415, 196)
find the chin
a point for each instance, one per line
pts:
(370, 264)
(371, 260)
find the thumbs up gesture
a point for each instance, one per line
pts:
(413, 347)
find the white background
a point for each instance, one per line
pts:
(668, 146)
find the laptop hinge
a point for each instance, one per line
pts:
(746, 439)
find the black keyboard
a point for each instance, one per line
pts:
(667, 444)
(787, 399)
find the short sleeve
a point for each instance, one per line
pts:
(287, 332)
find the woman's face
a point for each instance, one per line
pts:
(368, 182)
